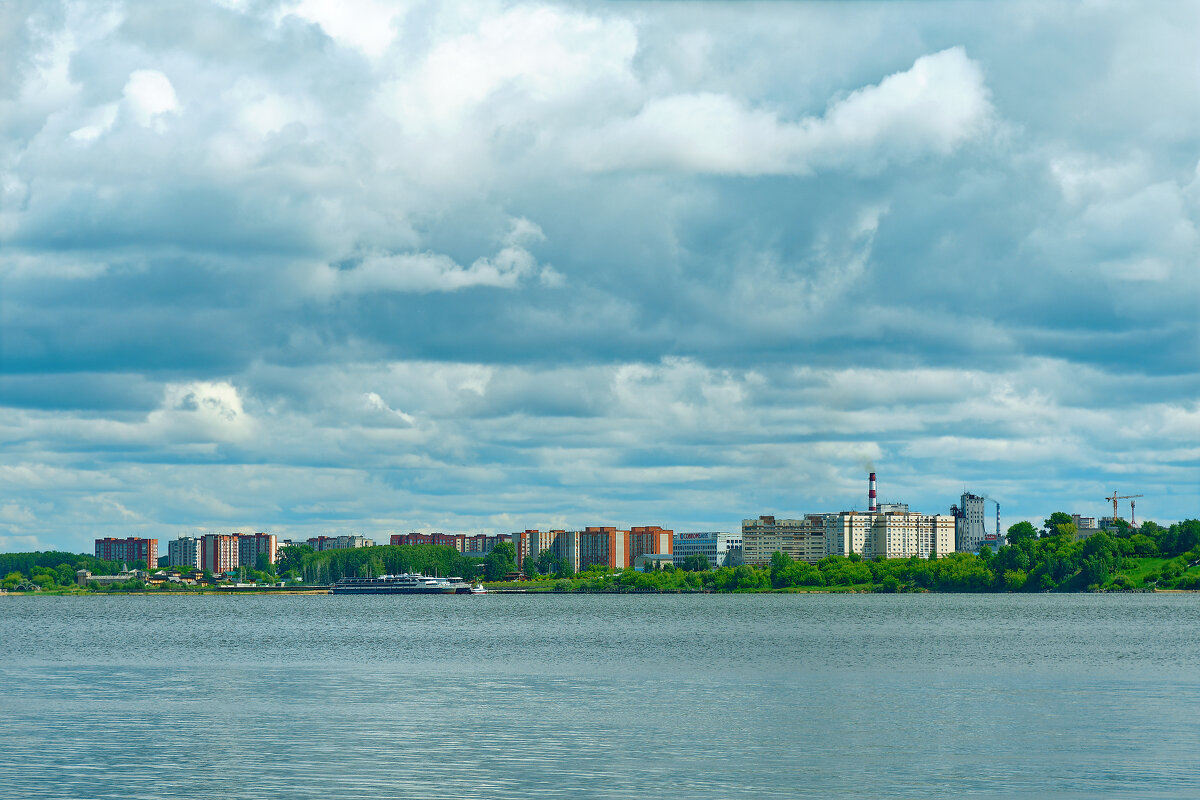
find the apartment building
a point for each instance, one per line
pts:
(338, 542)
(456, 540)
(802, 539)
(605, 545)
(253, 545)
(185, 552)
(890, 535)
(128, 549)
(219, 552)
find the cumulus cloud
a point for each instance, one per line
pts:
(435, 272)
(319, 267)
(148, 96)
(929, 109)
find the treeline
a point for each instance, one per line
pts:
(1153, 557)
(52, 568)
(327, 566)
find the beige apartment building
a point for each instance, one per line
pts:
(802, 539)
(890, 534)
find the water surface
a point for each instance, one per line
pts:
(506, 696)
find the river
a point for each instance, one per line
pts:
(521, 696)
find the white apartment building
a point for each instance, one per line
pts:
(713, 545)
(890, 535)
(185, 552)
(339, 542)
(802, 539)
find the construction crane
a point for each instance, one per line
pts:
(1128, 497)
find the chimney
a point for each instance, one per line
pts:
(873, 507)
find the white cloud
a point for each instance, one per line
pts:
(148, 96)
(366, 25)
(436, 272)
(930, 109)
(201, 411)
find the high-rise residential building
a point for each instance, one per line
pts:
(531, 543)
(716, 546)
(219, 552)
(649, 540)
(456, 540)
(253, 545)
(339, 542)
(128, 550)
(890, 535)
(185, 552)
(594, 545)
(802, 539)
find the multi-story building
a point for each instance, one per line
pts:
(338, 542)
(219, 552)
(594, 545)
(130, 549)
(969, 531)
(184, 552)
(530, 544)
(649, 540)
(713, 545)
(1083, 522)
(802, 539)
(457, 541)
(253, 545)
(481, 544)
(890, 535)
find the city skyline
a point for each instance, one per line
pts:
(363, 268)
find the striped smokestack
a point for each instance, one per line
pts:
(874, 507)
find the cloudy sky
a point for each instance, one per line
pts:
(330, 266)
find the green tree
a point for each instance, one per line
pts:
(547, 562)
(696, 562)
(529, 567)
(501, 561)
(1050, 526)
(1021, 531)
(1068, 529)
(292, 557)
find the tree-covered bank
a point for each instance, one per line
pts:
(1149, 558)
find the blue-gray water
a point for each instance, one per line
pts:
(600, 696)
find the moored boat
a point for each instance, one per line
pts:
(401, 584)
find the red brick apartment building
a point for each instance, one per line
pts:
(127, 550)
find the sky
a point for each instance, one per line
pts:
(363, 267)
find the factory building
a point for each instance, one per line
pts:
(969, 531)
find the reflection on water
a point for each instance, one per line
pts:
(658, 696)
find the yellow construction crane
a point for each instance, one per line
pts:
(1129, 497)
